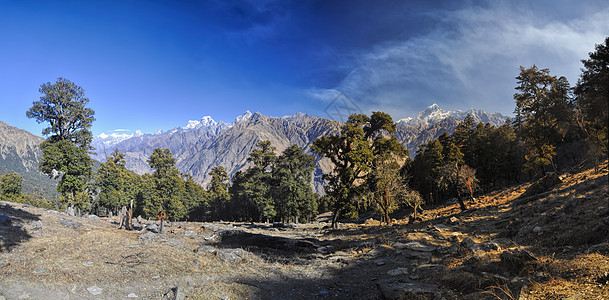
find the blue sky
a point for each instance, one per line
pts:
(150, 65)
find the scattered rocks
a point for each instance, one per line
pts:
(409, 290)
(69, 223)
(232, 255)
(94, 290)
(37, 225)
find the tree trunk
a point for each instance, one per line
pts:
(386, 199)
(335, 216)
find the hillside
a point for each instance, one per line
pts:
(549, 245)
(20, 152)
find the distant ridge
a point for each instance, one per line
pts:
(203, 144)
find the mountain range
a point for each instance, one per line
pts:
(203, 144)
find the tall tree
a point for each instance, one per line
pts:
(218, 192)
(63, 106)
(542, 114)
(291, 190)
(592, 98)
(168, 184)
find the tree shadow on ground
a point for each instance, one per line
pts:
(13, 230)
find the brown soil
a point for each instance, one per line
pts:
(565, 232)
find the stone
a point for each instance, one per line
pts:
(515, 259)
(70, 211)
(470, 245)
(39, 270)
(5, 220)
(442, 227)
(205, 249)
(416, 246)
(454, 220)
(69, 223)
(379, 262)
(37, 225)
(139, 219)
(132, 295)
(409, 290)
(537, 229)
(232, 255)
(87, 263)
(93, 217)
(153, 228)
(398, 271)
(94, 290)
(503, 242)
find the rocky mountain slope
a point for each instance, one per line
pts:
(510, 244)
(20, 152)
(201, 145)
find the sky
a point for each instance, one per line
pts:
(148, 65)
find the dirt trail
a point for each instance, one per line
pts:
(552, 247)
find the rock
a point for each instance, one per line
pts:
(94, 290)
(39, 270)
(416, 246)
(470, 245)
(153, 228)
(178, 294)
(5, 220)
(602, 247)
(69, 223)
(398, 271)
(232, 255)
(93, 217)
(537, 229)
(132, 295)
(515, 259)
(379, 262)
(148, 236)
(70, 211)
(37, 225)
(409, 290)
(372, 222)
(205, 249)
(139, 219)
(87, 263)
(442, 227)
(503, 242)
(542, 185)
(454, 220)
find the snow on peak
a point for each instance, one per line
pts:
(206, 121)
(244, 117)
(434, 114)
(113, 138)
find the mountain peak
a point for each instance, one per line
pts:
(243, 117)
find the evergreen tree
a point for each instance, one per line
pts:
(169, 186)
(218, 192)
(291, 188)
(10, 185)
(63, 106)
(592, 99)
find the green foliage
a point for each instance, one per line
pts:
(291, 190)
(117, 185)
(218, 192)
(544, 113)
(10, 185)
(63, 106)
(592, 99)
(63, 159)
(169, 186)
(363, 144)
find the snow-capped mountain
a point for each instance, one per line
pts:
(205, 127)
(434, 114)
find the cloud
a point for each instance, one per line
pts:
(469, 59)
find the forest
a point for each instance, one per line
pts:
(555, 126)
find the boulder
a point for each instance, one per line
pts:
(93, 217)
(69, 223)
(470, 245)
(409, 290)
(37, 225)
(70, 211)
(515, 259)
(542, 185)
(153, 228)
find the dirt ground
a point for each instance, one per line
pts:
(550, 246)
